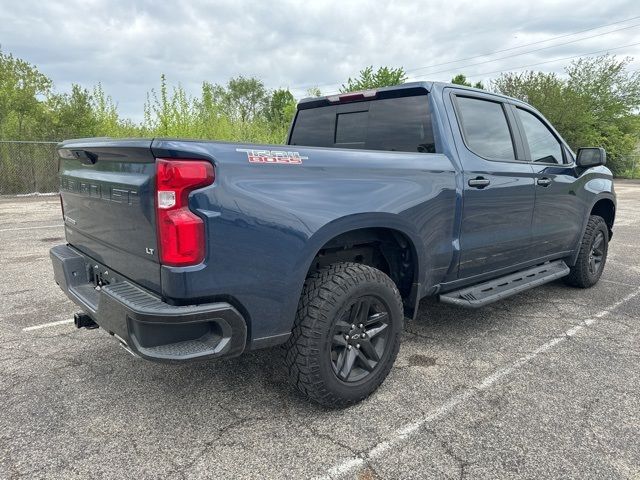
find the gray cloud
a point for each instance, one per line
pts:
(127, 45)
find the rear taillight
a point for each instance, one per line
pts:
(181, 238)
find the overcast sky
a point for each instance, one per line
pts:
(126, 45)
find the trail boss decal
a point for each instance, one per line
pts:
(272, 156)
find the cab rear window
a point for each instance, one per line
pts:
(393, 124)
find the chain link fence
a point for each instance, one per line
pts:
(28, 167)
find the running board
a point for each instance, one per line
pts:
(484, 293)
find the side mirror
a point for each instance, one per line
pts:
(591, 157)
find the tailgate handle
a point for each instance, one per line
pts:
(85, 157)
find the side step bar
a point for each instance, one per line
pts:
(487, 292)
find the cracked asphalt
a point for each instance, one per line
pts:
(543, 385)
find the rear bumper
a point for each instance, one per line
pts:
(148, 326)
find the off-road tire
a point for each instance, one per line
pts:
(581, 275)
(324, 302)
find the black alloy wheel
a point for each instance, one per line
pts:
(359, 339)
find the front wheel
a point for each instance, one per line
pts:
(346, 334)
(592, 256)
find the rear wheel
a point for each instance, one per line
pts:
(346, 335)
(593, 254)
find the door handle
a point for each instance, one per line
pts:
(544, 182)
(479, 182)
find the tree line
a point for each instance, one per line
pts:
(595, 104)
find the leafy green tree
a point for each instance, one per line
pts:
(244, 98)
(313, 92)
(22, 88)
(158, 114)
(282, 105)
(108, 122)
(604, 80)
(596, 105)
(368, 79)
(72, 114)
(280, 112)
(211, 120)
(171, 112)
(612, 98)
(461, 79)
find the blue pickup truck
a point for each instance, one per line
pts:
(189, 250)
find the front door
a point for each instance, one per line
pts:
(559, 213)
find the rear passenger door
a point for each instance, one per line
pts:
(498, 189)
(559, 212)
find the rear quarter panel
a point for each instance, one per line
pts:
(266, 222)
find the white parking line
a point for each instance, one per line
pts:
(30, 228)
(47, 325)
(405, 432)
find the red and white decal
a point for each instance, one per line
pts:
(273, 156)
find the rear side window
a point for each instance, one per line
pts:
(543, 145)
(394, 124)
(314, 127)
(485, 128)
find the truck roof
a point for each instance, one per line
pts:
(404, 86)
(310, 102)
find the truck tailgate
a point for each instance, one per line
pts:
(107, 189)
